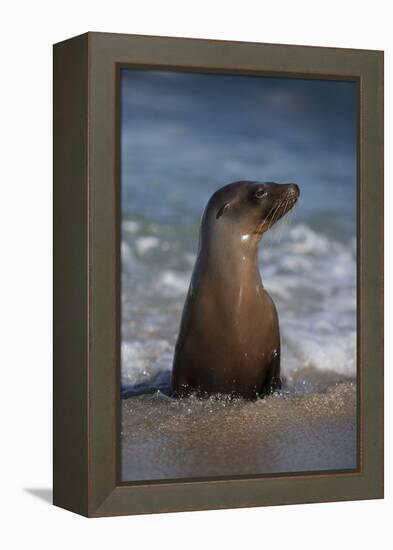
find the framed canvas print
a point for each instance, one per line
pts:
(218, 274)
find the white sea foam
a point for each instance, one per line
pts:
(145, 244)
(173, 284)
(130, 226)
(313, 282)
(143, 361)
(127, 257)
(311, 278)
(303, 240)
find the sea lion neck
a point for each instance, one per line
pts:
(233, 257)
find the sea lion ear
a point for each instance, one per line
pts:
(222, 210)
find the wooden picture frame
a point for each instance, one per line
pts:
(87, 267)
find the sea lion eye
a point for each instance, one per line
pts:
(260, 193)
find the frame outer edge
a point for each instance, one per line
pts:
(370, 279)
(70, 270)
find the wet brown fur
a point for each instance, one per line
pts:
(229, 338)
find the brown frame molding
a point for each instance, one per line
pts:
(87, 267)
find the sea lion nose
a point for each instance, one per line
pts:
(295, 189)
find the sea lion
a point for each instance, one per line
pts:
(229, 338)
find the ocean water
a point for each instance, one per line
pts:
(184, 135)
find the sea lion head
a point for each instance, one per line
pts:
(249, 208)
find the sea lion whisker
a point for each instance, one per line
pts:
(281, 214)
(270, 214)
(265, 220)
(277, 214)
(286, 210)
(288, 216)
(271, 218)
(274, 216)
(284, 217)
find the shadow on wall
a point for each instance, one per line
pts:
(43, 494)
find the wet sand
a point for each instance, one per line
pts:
(164, 438)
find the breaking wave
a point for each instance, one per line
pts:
(311, 277)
